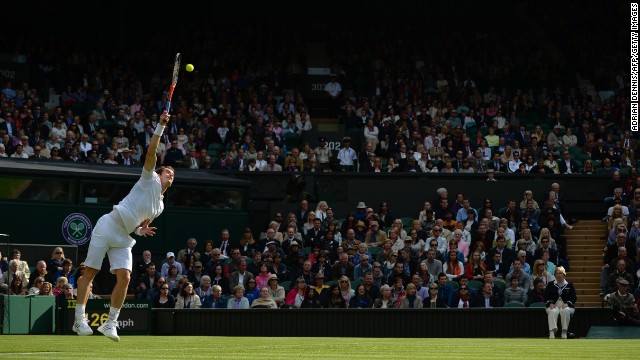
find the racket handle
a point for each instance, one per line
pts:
(170, 96)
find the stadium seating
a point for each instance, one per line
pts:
(500, 285)
(538, 305)
(286, 285)
(475, 284)
(374, 251)
(355, 283)
(406, 221)
(514, 305)
(214, 149)
(331, 282)
(454, 285)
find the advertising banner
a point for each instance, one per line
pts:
(134, 319)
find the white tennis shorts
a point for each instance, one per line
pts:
(112, 239)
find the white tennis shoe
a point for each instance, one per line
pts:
(109, 329)
(82, 327)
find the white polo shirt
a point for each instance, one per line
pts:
(144, 201)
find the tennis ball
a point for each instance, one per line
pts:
(189, 67)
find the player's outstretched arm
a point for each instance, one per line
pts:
(150, 160)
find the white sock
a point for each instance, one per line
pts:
(114, 313)
(80, 311)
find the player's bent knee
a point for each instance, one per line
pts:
(123, 275)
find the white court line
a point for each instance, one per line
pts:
(30, 353)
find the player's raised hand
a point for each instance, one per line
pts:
(164, 118)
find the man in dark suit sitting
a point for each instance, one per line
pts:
(240, 161)
(506, 255)
(147, 281)
(487, 298)
(302, 212)
(145, 137)
(240, 276)
(315, 234)
(483, 234)
(366, 158)
(496, 164)
(494, 265)
(612, 251)
(343, 268)
(567, 165)
(190, 161)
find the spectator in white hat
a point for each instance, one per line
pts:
(171, 260)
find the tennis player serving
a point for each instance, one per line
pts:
(111, 236)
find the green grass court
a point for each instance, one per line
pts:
(208, 347)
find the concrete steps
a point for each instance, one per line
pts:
(587, 291)
(326, 124)
(589, 301)
(588, 246)
(584, 248)
(587, 257)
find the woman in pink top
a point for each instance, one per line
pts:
(297, 294)
(262, 280)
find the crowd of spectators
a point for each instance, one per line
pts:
(365, 258)
(621, 252)
(451, 113)
(55, 276)
(368, 257)
(371, 257)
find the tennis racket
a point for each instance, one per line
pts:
(174, 80)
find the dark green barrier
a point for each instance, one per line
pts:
(43, 315)
(28, 314)
(134, 319)
(377, 323)
(16, 314)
